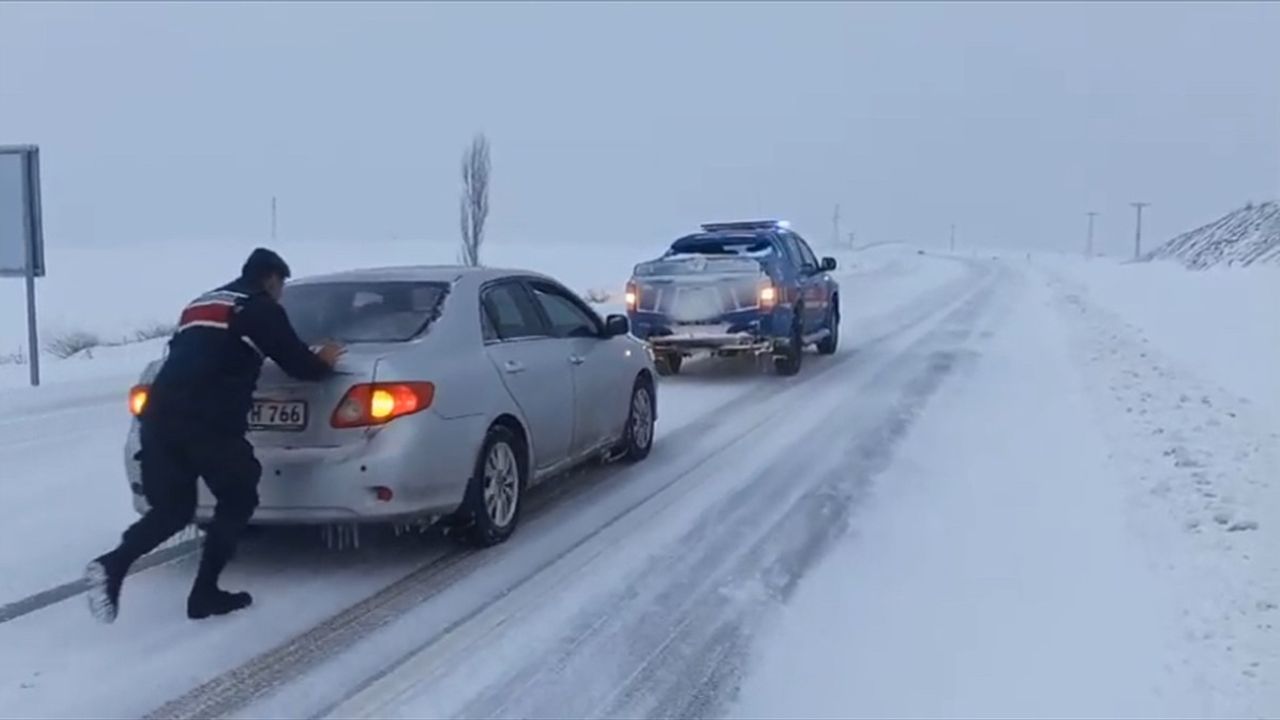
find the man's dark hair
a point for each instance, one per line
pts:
(262, 264)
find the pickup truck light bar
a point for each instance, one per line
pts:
(745, 225)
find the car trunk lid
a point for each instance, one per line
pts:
(297, 413)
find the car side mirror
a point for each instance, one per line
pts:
(828, 264)
(616, 325)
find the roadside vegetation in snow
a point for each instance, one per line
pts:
(1238, 239)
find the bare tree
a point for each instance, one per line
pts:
(473, 205)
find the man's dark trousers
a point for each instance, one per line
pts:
(173, 456)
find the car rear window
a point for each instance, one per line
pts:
(744, 245)
(363, 312)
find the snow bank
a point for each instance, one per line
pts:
(114, 291)
(1221, 324)
(1085, 526)
(1239, 238)
(993, 572)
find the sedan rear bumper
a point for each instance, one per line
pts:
(403, 471)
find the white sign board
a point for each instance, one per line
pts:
(20, 226)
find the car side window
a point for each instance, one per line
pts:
(507, 314)
(792, 250)
(806, 253)
(567, 317)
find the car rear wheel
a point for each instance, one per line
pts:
(829, 344)
(638, 440)
(494, 495)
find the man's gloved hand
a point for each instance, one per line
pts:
(330, 352)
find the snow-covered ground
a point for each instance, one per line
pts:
(1080, 527)
(1021, 488)
(1223, 324)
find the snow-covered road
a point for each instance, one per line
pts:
(938, 520)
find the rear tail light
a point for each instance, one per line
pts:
(768, 297)
(379, 403)
(138, 399)
(632, 296)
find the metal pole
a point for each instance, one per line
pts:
(1137, 234)
(1088, 247)
(29, 253)
(273, 218)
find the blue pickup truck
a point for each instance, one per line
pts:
(736, 288)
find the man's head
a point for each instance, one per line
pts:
(266, 270)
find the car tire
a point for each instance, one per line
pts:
(637, 440)
(787, 362)
(668, 363)
(829, 344)
(495, 493)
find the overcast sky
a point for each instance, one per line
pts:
(619, 122)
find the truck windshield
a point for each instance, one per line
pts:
(363, 312)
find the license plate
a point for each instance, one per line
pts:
(272, 415)
(700, 304)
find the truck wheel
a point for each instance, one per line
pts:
(788, 361)
(668, 363)
(828, 344)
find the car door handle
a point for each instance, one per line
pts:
(513, 367)
(577, 359)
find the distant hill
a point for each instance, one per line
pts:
(1250, 235)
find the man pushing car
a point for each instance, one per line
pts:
(193, 426)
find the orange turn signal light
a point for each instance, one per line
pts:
(370, 404)
(138, 399)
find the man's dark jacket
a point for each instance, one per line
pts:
(208, 378)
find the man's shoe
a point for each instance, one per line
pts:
(104, 578)
(217, 602)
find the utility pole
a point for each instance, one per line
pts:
(1137, 234)
(273, 218)
(835, 227)
(953, 237)
(1088, 246)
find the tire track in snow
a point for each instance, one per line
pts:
(679, 456)
(734, 569)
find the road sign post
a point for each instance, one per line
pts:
(21, 232)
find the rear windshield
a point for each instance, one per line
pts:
(369, 312)
(748, 245)
(698, 265)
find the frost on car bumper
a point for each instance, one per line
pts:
(745, 331)
(710, 339)
(425, 465)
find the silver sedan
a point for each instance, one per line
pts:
(461, 388)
